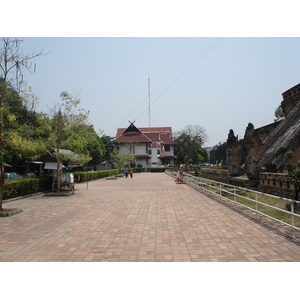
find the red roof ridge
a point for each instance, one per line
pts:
(149, 130)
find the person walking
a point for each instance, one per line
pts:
(131, 171)
(126, 170)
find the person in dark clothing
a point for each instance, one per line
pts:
(126, 171)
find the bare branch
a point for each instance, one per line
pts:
(12, 60)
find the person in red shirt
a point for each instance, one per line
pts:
(131, 171)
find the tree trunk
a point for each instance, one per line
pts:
(186, 163)
(58, 177)
(297, 191)
(2, 178)
(2, 175)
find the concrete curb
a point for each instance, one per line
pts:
(11, 213)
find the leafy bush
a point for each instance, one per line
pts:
(26, 186)
(156, 170)
(296, 207)
(45, 183)
(88, 176)
(197, 170)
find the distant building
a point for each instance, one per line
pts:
(151, 147)
(218, 154)
(104, 165)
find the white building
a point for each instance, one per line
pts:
(152, 147)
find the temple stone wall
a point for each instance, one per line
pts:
(217, 174)
(269, 183)
(276, 184)
(290, 99)
(253, 145)
(236, 157)
(258, 160)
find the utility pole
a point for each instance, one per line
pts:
(149, 100)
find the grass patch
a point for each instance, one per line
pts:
(7, 210)
(283, 216)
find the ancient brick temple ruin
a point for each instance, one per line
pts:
(258, 159)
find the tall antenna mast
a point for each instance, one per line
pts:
(149, 100)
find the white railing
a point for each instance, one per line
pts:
(220, 189)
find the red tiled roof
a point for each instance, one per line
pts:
(156, 129)
(155, 145)
(160, 137)
(133, 138)
(120, 131)
(154, 137)
(142, 156)
(166, 139)
(148, 130)
(167, 156)
(150, 134)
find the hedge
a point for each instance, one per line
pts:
(83, 176)
(154, 170)
(26, 186)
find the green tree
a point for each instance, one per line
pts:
(279, 113)
(89, 143)
(66, 128)
(293, 172)
(122, 159)
(21, 129)
(12, 62)
(200, 155)
(110, 145)
(188, 142)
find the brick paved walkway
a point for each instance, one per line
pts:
(147, 218)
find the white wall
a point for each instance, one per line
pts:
(140, 149)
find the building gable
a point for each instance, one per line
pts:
(132, 134)
(131, 129)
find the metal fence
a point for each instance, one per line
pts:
(270, 206)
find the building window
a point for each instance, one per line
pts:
(132, 149)
(167, 147)
(147, 147)
(149, 152)
(158, 151)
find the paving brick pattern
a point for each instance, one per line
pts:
(148, 218)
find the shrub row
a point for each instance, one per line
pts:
(87, 176)
(26, 186)
(155, 170)
(138, 170)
